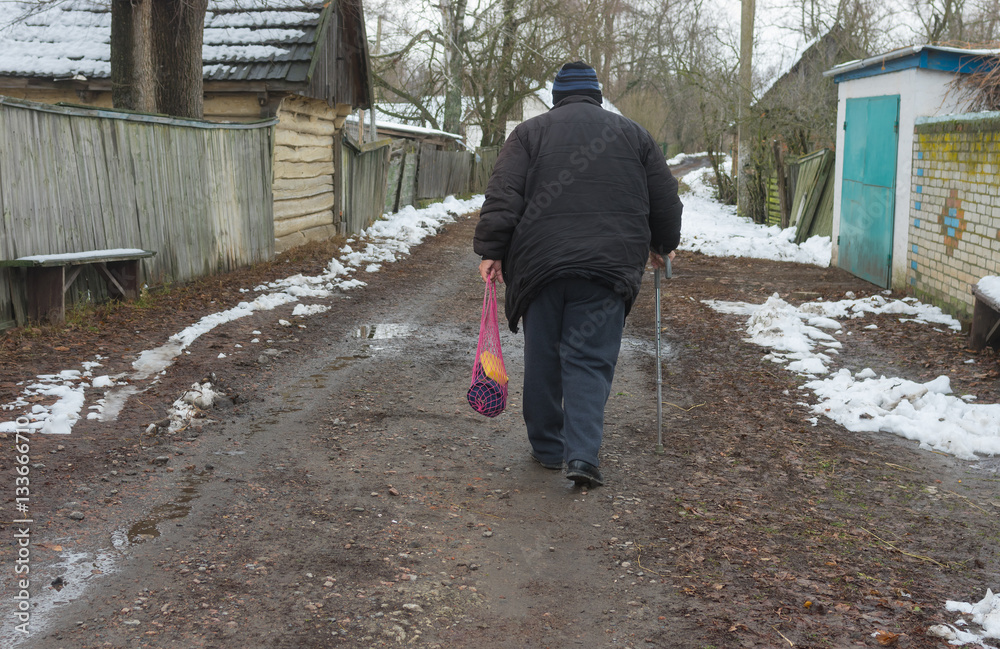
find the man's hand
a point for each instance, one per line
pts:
(491, 270)
(656, 260)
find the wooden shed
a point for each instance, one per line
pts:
(304, 62)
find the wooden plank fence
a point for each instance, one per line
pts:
(773, 202)
(363, 183)
(486, 158)
(424, 172)
(442, 172)
(810, 214)
(75, 179)
(401, 186)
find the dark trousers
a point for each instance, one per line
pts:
(572, 336)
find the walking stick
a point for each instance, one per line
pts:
(659, 370)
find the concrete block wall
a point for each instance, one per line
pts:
(954, 218)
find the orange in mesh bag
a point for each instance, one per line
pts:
(488, 393)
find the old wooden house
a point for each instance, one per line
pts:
(303, 62)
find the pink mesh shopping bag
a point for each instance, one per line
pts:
(488, 393)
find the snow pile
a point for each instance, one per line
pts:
(985, 615)
(924, 412)
(794, 332)
(66, 388)
(908, 306)
(681, 158)
(989, 286)
(311, 309)
(701, 183)
(155, 361)
(200, 397)
(104, 381)
(715, 230)
(410, 226)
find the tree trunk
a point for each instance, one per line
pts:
(453, 16)
(178, 30)
(133, 84)
(495, 132)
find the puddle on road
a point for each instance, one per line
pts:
(114, 401)
(667, 351)
(341, 362)
(987, 465)
(384, 331)
(65, 581)
(148, 528)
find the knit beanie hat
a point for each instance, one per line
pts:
(576, 78)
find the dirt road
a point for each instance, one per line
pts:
(346, 495)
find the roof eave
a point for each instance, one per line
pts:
(850, 66)
(929, 57)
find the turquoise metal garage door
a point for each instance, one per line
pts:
(869, 188)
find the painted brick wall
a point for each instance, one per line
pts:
(954, 229)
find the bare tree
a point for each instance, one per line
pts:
(132, 79)
(941, 20)
(515, 51)
(506, 48)
(177, 29)
(958, 22)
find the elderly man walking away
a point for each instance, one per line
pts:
(579, 199)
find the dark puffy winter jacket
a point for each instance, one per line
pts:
(577, 192)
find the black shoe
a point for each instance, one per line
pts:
(584, 473)
(555, 466)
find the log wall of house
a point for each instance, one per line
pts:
(305, 201)
(233, 107)
(96, 99)
(230, 106)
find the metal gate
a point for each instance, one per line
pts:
(869, 188)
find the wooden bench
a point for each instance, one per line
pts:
(985, 328)
(50, 276)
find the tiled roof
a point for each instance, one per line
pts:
(243, 40)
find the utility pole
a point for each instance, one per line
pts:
(453, 22)
(744, 145)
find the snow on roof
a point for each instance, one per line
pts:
(789, 63)
(434, 105)
(961, 117)
(383, 122)
(72, 39)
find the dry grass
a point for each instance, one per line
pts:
(981, 89)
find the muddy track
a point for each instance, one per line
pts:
(351, 497)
